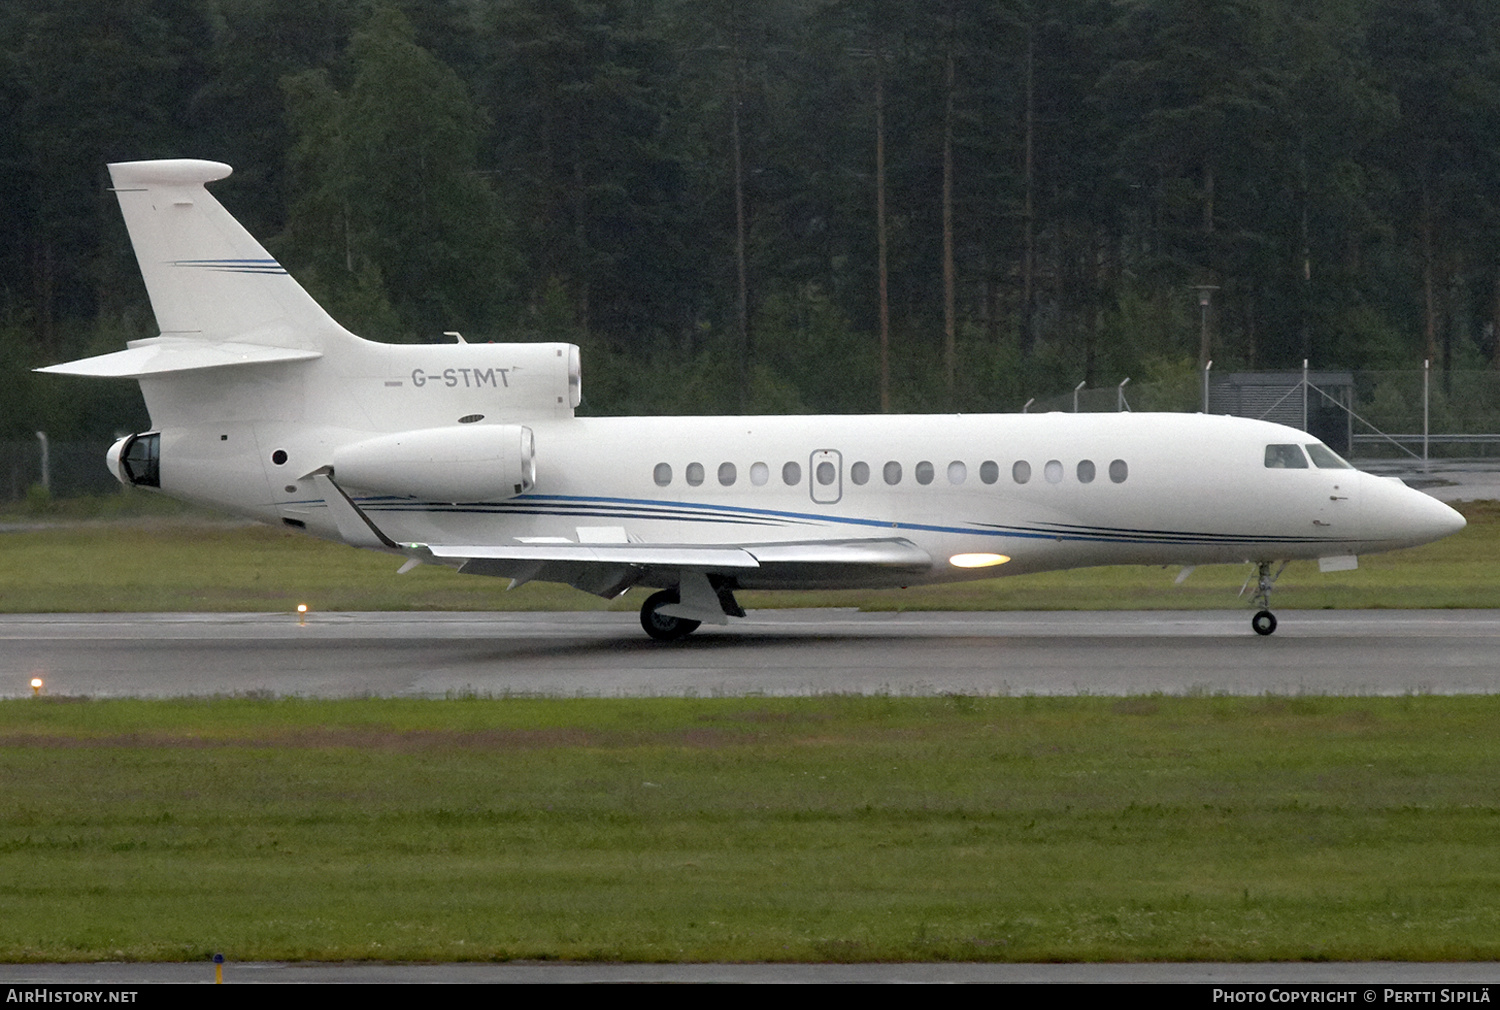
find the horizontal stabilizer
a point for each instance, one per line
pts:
(162, 355)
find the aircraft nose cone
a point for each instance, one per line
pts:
(1425, 519)
(1443, 520)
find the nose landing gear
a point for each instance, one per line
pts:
(1264, 622)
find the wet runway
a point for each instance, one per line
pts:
(773, 653)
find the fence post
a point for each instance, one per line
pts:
(1304, 394)
(1426, 388)
(41, 437)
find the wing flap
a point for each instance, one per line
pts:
(895, 552)
(642, 555)
(885, 553)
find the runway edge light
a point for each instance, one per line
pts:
(36, 687)
(302, 615)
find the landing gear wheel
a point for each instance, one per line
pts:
(1264, 622)
(660, 626)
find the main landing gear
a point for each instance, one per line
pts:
(1264, 622)
(676, 613)
(660, 626)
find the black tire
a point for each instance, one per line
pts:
(1264, 622)
(660, 626)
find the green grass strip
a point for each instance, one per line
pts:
(830, 828)
(171, 564)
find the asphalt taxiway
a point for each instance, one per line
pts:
(788, 652)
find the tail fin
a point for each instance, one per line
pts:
(219, 297)
(208, 278)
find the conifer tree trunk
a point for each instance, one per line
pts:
(742, 314)
(1028, 235)
(950, 326)
(885, 305)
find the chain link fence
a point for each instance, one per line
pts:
(1366, 414)
(72, 469)
(1370, 414)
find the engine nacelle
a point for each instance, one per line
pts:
(136, 459)
(466, 463)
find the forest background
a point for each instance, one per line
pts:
(780, 205)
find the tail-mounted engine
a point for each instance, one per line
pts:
(136, 459)
(477, 463)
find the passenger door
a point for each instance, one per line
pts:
(825, 476)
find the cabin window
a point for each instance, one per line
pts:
(1118, 471)
(1086, 471)
(1053, 471)
(694, 474)
(989, 471)
(1285, 457)
(759, 474)
(860, 472)
(892, 473)
(1021, 471)
(662, 474)
(791, 474)
(957, 472)
(727, 474)
(1325, 458)
(924, 472)
(826, 473)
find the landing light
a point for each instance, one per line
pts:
(977, 560)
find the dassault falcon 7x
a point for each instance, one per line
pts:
(470, 456)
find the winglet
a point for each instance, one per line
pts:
(354, 525)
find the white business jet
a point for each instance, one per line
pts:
(470, 456)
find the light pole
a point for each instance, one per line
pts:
(1205, 295)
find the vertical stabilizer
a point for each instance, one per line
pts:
(207, 277)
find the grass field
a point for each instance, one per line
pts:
(187, 563)
(826, 828)
(833, 828)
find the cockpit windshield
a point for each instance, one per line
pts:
(1325, 458)
(1285, 457)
